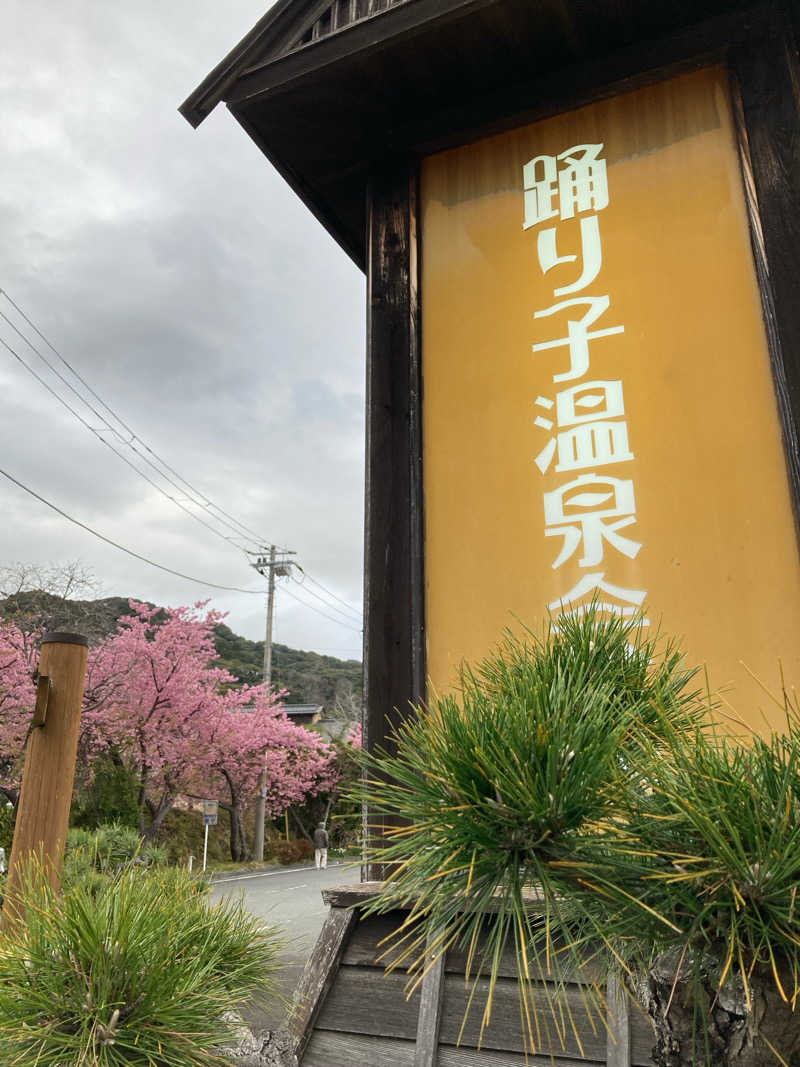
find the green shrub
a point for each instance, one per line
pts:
(108, 848)
(182, 835)
(137, 972)
(522, 783)
(286, 852)
(111, 796)
(7, 819)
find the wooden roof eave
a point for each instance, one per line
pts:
(309, 108)
(261, 60)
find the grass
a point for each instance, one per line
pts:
(134, 970)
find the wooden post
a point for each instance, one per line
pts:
(426, 1050)
(394, 645)
(47, 780)
(618, 1042)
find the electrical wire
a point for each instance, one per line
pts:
(152, 563)
(327, 603)
(328, 591)
(198, 498)
(98, 434)
(122, 548)
(108, 444)
(322, 613)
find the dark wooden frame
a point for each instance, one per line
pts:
(394, 625)
(765, 82)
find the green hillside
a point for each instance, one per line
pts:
(309, 677)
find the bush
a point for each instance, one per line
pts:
(523, 782)
(576, 793)
(137, 972)
(8, 816)
(110, 797)
(107, 848)
(182, 834)
(286, 852)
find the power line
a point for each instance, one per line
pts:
(322, 613)
(108, 444)
(327, 603)
(97, 433)
(198, 498)
(328, 591)
(122, 548)
(152, 563)
(285, 563)
(280, 566)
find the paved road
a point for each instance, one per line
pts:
(292, 900)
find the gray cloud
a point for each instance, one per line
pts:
(194, 292)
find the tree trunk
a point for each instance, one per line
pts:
(698, 1027)
(239, 850)
(238, 843)
(158, 814)
(300, 826)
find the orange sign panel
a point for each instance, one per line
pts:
(600, 418)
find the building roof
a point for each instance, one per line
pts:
(301, 710)
(332, 90)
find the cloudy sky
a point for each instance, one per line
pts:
(197, 297)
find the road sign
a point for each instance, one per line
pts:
(210, 810)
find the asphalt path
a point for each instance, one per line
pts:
(292, 900)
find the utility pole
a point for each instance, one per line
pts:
(274, 567)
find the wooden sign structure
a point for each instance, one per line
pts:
(421, 116)
(580, 228)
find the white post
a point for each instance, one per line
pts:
(205, 848)
(191, 863)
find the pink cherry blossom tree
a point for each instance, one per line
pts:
(157, 704)
(249, 731)
(153, 696)
(343, 767)
(17, 697)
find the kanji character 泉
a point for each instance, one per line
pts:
(576, 511)
(594, 442)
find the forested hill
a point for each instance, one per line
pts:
(309, 677)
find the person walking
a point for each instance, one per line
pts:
(321, 846)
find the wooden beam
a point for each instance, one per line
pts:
(394, 649)
(618, 1041)
(348, 896)
(765, 78)
(426, 1053)
(318, 976)
(598, 75)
